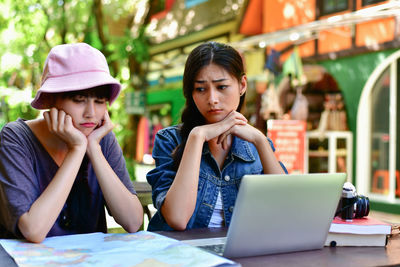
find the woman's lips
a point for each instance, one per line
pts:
(214, 111)
(88, 124)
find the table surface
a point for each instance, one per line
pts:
(142, 187)
(143, 190)
(328, 256)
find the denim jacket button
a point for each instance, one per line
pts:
(227, 178)
(231, 209)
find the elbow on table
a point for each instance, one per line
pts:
(178, 224)
(33, 232)
(180, 227)
(36, 239)
(132, 223)
(134, 226)
(177, 219)
(34, 235)
(131, 229)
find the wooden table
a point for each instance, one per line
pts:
(328, 256)
(143, 190)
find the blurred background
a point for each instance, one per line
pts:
(323, 74)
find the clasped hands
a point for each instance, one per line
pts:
(233, 124)
(61, 124)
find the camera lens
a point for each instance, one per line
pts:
(362, 207)
(347, 209)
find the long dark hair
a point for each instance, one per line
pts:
(203, 55)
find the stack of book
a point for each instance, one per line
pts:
(366, 231)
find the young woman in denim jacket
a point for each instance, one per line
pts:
(200, 163)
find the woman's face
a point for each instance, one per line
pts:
(87, 112)
(216, 93)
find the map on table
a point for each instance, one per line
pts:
(98, 249)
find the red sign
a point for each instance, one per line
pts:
(288, 137)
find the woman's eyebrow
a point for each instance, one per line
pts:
(219, 80)
(214, 81)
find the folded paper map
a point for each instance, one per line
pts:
(99, 249)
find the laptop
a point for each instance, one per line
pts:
(279, 213)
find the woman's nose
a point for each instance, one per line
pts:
(213, 97)
(89, 109)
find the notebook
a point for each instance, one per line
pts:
(280, 213)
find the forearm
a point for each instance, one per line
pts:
(37, 222)
(124, 206)
(268, 160)
(180, 200)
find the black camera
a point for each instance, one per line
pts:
(352, 205)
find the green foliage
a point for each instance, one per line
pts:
(126, 46)
(14, 105)
(3, 23)
(22, 110)
(120, 119)
(131, 166)
(139, 46)
(91, 37)
(30, 28)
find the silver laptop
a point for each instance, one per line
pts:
(280, 213)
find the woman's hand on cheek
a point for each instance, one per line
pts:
(60, 124)
(102, 130)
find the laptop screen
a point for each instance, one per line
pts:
(283, 213)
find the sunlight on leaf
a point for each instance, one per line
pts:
(10, 61)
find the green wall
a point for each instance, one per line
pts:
(351, 74)
(173, 96)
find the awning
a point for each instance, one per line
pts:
(305, 32)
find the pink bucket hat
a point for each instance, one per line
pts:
(73, 67)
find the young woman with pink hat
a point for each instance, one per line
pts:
(58, 172)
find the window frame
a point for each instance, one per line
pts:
(363, 165)
(370, 2)
(322, 6)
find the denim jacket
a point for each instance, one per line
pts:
(242, 159)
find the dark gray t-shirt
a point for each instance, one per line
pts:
(26, 169)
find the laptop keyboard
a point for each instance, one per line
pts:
(216, 248)
(214, 245)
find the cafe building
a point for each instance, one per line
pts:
(336, 60)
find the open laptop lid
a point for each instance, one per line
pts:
(283, 213)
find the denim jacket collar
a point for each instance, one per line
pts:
(240, 149)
